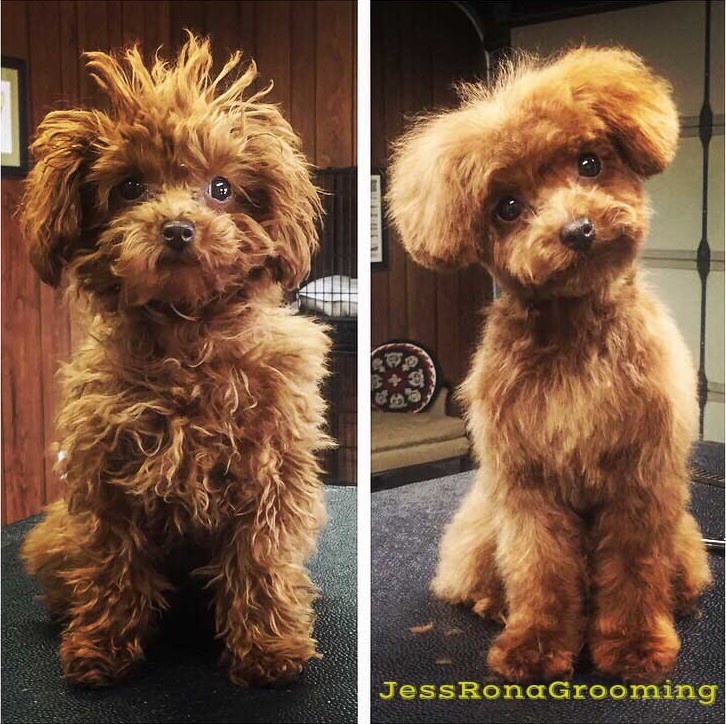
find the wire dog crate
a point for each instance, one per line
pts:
(331, 293)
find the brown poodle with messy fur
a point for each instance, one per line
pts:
(191, 414)
(582, 397)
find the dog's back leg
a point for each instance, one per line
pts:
(692, 572)
(467, 570)
(49, 549)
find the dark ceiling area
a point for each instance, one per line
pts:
(523, 13)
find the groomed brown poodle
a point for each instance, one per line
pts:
(581, 398)
(191, 413)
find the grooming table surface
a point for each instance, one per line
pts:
(181, 680)
(407, 525)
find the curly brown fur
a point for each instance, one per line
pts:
(581, 398)
(191, 413)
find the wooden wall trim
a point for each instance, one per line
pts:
(22, 400)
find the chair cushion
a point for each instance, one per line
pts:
(403, 377)
(390, 431)
(384, 461)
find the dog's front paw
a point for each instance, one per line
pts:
(92, 662)
(644, 655)
(258, 668)
(530, 655)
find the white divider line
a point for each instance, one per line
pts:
(364, 375)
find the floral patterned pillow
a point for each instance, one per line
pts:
(403, 377)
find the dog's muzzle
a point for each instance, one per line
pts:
(578, 235)
(177, 234)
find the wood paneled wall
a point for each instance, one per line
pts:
(418, 51)
(309, 50)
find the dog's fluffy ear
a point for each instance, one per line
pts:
(51, 211)
(290, 203)
(635, 103)
(437, 184)
(294, 230)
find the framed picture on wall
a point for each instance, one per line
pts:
(13, 123)
(378, 235)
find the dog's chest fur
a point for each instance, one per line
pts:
(558, 393)
(191, 438)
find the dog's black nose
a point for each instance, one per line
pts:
(177, 234)
(578, 234)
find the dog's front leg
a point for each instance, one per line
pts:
(632, 634)
(115, 601)
(539, 555)
(263, 594)
(264, 614)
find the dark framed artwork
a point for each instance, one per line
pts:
(13, 123)
(379, 250)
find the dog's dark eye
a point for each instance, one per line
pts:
(220, 189)
(589, 165)
(131, 189)
(509, 208)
